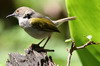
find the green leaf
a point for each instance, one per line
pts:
(87, 22)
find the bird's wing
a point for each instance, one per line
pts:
(43, 24)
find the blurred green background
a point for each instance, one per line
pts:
(15, 39)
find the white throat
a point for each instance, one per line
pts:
(23, 22)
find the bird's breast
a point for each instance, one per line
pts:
(38, 34)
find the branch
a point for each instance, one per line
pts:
(34, 56)
(73, 48)
(85, 45)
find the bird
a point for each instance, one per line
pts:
(37, 25)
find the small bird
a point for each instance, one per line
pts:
(37, 25)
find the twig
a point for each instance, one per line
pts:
(70, 53)
(85, 45)
(73, 48)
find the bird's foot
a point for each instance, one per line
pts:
(37, 48)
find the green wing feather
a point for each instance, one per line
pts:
(43, 24)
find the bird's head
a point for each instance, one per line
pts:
(24, 12)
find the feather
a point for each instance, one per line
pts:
(43, 24)
(60, 21)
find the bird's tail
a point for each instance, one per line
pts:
(60, 21)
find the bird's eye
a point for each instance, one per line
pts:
(17, 11)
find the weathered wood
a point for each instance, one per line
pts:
(34, 56)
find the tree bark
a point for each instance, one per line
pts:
(34, 56)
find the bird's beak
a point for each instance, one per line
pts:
(10, 15)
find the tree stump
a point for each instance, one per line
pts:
(34, 56)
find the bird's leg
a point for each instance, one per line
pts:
(41, 41)
(46, 41)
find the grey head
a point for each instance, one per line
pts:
(25, 12)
